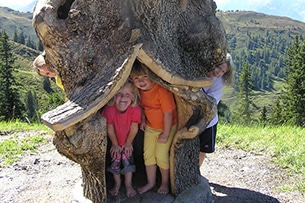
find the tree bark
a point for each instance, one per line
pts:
(86, 144)
(93, 45)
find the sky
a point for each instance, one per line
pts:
(15, 3)
(240, 4)
(295, 9)
(220, 3)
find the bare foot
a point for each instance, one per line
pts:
(115, 190)
(130, 192)
(145, 188)
(163, 190)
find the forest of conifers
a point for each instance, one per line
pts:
(261, 46)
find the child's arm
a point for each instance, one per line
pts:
(168, 120)
(128, 148)
(115, 148)
(143, 120)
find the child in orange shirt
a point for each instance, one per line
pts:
(159, 127)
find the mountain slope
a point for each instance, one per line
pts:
(260, 39)
(293, 9)
(240, 23)
(12, 21)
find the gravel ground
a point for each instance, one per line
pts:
(235, 176)
(239, 176)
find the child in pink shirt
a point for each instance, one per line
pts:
(123, 117)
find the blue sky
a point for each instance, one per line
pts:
(240, 4)
(14, 4)
(294, 9)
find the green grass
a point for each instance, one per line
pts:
(11, 149)
(285, 144)
(22, 126)
(18, 138)
(260, 99)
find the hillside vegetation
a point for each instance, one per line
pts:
(262, 41)
(40, 93)
(259, 39)
(12, 21)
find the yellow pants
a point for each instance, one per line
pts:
(155, 152)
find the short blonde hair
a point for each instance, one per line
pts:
(135, 97)
(38, 62)
(228, 76)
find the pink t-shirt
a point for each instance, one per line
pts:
(122, 121)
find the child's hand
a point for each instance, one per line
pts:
(115, 151)
(162, 138)
(128, 149)
(142, 126)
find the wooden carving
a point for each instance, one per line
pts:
(93, 44)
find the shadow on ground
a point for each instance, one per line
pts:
(223, 194)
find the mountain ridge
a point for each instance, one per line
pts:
(258, 38)
(294, 10)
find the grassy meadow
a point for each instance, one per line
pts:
(17, 138)
(285, 144)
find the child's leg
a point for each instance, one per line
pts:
(117, 184)
(164, 187)
(127, 164)
(115, 168)
(162, 154)
(151, 178)
(150, 141)
(201, 158)
(207, 142)
(128, 169)
(130, 192)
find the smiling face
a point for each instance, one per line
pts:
(143, 82)
(123, 98)
(46, 70)
(219, 71)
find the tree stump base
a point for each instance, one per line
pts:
(93, 45)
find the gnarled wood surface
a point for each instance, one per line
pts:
(93, 44)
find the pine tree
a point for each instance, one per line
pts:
(16, 36)
(10, 105)
(263, 118)
(294, 91)
(47, 85)
(31, 104)
(29, 43)
(21, 38)
(276, 113)
(39, 46)
(243, 114)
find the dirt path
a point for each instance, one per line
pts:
(234, 175)
(43, 177)
(238, 176)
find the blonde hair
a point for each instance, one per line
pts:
(135, 97)
(38, 62)
(228, 76)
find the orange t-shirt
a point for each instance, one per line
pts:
(156, 102)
